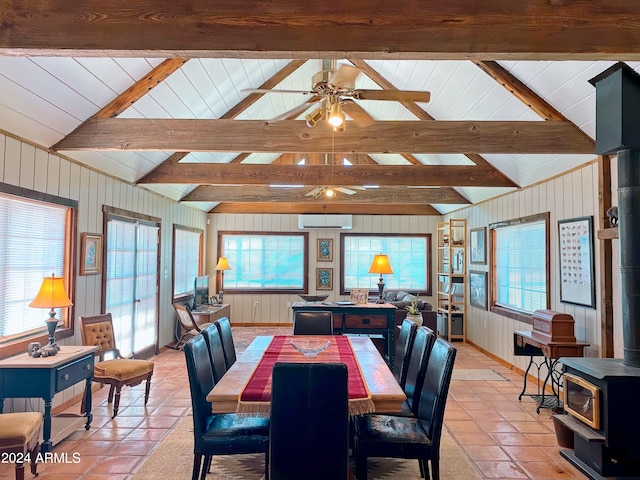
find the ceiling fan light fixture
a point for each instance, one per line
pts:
(329, 192)
(314, 117)
(336, 116)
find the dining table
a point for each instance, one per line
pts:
(384, 392)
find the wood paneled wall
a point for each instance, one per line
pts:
(574, 194)
(275, 308)
(28, 166)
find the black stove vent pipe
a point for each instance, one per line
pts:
(618, 132)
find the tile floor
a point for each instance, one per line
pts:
(502, 437)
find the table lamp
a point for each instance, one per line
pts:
(222, 265)
(52, 295)
(380, 265)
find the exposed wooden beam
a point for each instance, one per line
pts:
(326, 207)
(253, 174)
(263, 193)
(139, 89)
(535, 29)
(295, 136)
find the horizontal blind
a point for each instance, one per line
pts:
(407, 256)
(186, 260)
(521, 275)
(33, 236)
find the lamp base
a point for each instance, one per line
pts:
(380, 290)
(51, 348)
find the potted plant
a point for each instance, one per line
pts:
(413, 312)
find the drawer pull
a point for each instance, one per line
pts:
(366, 321)
(66, 376)
(88, 366)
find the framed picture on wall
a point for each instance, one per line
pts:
(478, 244)
(90, 253)
(324, 278)
(577, 268)
(325, 249)
(478, 289)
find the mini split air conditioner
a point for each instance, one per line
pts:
(324, 221)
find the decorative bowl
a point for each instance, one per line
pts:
(314, 298)
(310, 347)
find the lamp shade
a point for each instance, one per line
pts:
(52, 294)
(223, 264)
(380, 265)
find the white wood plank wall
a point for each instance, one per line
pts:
(27, 166)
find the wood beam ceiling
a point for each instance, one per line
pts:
(295, 136)
(262, 193)
(498, 29)
(324, 207)
(399, 175)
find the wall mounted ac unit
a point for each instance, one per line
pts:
(324, 221)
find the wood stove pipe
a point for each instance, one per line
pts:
(618, 131)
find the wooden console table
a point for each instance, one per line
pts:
(524, 343)
(368, 318)
(23, 376)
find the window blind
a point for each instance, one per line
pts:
(186, 259)
(33, 237)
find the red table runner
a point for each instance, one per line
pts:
(256, 395)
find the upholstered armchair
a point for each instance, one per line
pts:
(118, 371)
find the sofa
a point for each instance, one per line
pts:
(401, 299)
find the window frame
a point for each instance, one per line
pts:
(305, 261)
(66, 325)
(506, 311)
(188, 293)
(429, 271)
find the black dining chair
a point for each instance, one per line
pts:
(228, 346)
(218, 433)
(309, 422)
(216, 353)
(416, 368)
(410, 437)
(316, 322)
(404, 343)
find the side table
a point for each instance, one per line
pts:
(23, 376)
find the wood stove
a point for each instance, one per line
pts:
(604, 399)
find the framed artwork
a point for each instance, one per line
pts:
(324, 278)
(478, 245)
(90, 253)
(359, 296)
(478, 289)
(325, 249)
(577, 268)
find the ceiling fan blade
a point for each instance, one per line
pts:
(348, 191)
(269, 90)
(396, 95)
(357, 113)
(344, 76)
(315, 192)
(297, 111)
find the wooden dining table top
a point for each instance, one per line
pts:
(385, 392)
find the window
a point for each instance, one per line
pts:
(520, 266)
(264, 261)
(36, 240)
(187, 259)
(409, 257)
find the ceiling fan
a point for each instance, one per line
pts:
(327, 191)
(335, 89)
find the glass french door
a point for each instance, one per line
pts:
(132, 284)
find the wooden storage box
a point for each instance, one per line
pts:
(550, 326)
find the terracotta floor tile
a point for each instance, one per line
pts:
(116, 464)
(134, 447)
(466, 426)
(150, 434)
(486, 452)
(530, 427)
(551, 470)
(492, 426)
(519, 453)
(471, 438)
(511, 439)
